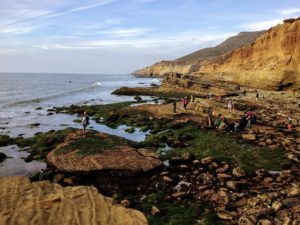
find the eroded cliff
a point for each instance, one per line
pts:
(190, 62)
(272, 62)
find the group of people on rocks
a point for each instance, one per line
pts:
(222, 123)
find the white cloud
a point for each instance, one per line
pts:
(17, 30)
(261, 25)
(82, 8)
(127, 32)
(145, 1)
(25, 14)
(101, 24)
(181, 41)
(289, 12)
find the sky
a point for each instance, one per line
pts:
(120, 36)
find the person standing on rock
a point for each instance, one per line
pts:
(192, 98)
(290, 125)
(85, 121)
(256, 96)
(174, 107)
(209, 116)
(185, 102)
(249, 118)
(230, 104)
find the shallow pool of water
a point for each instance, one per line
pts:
(15, 165)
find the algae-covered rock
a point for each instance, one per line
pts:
(95, 151)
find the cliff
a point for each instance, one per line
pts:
(272, 62)
(190, 63)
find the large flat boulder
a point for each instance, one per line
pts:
(96, 151)
(23, 202)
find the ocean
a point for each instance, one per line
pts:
(25, 99)
(22, 94)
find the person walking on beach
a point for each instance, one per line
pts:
(174, 107)
(85, 121)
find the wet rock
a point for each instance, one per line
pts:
(234, 185)
(103, 156)
(154, 211)
(70, 181)
(29, 158)
(238, 172)
(249, 137)
(223, 176)
(276, 206)
(125, 203)
(2, 157)
(38, 108)
(35, 125)
(179, 194)
(245, 221)
(293, 191)
(138, 98)
(223, 169)
(167, 179)
(130, 130)
(225, 215)
(207, 160)
(264, 222)
(187, 156)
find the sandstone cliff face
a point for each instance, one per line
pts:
(190, 62)
(23, 202)
(166, 67)
(272, 62)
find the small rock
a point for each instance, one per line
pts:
(245, 221)
(187, 156)
(264, 222)
(178, 194)
(125, 203)
(154, 211)
(2, 157)
(225, 216)
(69, 181)
(167, 179)
(249, 137)
(238, 172)
(276, 206)
(207, 160)
(223, 176)
(293, 191)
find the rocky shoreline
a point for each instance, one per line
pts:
(208, 176)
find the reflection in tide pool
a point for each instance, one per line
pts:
(15, 165)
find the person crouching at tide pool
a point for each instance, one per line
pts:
(85, 121)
